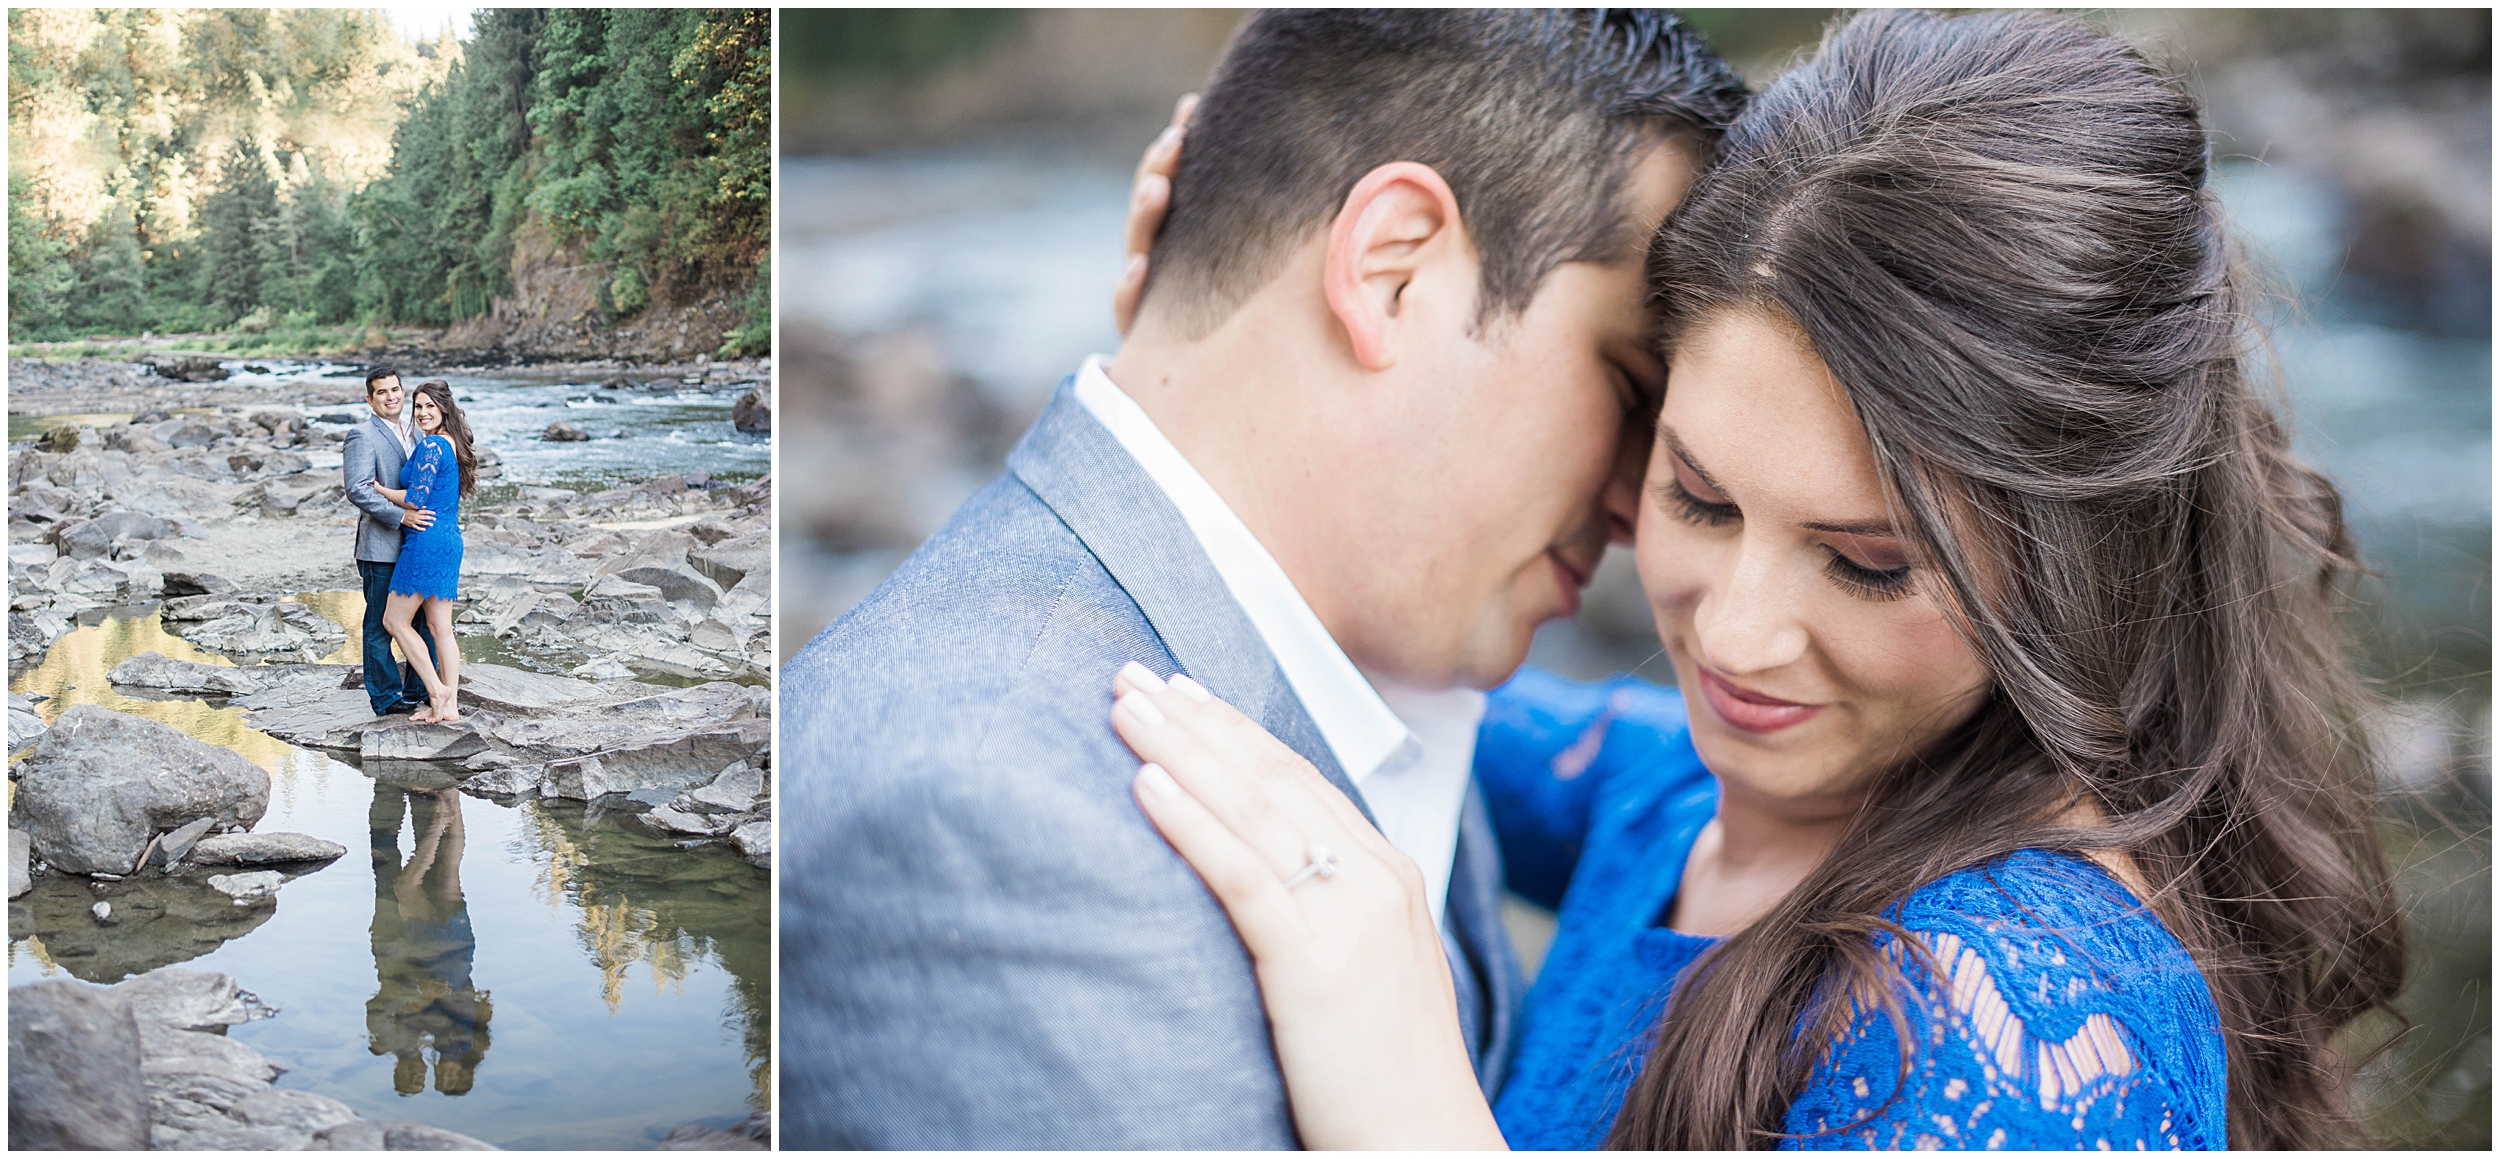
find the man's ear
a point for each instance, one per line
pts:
(1399, 220)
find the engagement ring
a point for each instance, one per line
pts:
(1323, 863)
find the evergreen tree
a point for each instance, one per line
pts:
(112, 296)
(40, 277)
(240, 246)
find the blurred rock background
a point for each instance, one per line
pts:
(953, 185)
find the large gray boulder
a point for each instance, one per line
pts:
(675, 763)
(74, 1077)
(165, 674)
(101, 783)
(264, 849)
(399, 740)
(98, 537)
(191, 1000)
(286, 628)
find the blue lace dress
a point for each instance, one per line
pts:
(2066, 1017)
(429, 560)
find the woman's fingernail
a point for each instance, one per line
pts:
(1182, 681)
(1153, 776)
(1144, 708)
(1139, 675)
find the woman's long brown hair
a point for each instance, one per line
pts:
(1995, 230)
(455, 427)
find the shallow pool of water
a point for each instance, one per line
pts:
(544, 975)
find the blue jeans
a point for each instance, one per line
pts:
(387, 685)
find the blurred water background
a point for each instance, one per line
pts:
(952, 194)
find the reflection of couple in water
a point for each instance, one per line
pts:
(423, 948)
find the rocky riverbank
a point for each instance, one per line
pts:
(236, 507)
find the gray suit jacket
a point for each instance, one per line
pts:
(983, 942)
(372, 455)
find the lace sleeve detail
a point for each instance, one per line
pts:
(2050, 1029)
(423, 472)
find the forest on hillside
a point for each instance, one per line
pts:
(179, 171)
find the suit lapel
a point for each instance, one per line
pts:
(1096, 488)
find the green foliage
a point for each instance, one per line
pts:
(199, 169)
(755, 335)
(40, 278)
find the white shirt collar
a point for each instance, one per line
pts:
(404, 428)
(1415, 779)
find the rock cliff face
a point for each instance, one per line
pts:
(554, 313)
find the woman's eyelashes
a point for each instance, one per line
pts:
(1865, 582)
(1693, 510)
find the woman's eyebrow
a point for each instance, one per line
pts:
(1675, 447)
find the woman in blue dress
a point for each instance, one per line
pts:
(425, 581)
(2012, 794)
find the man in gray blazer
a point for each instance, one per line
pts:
(1369, 432)
(375, 451)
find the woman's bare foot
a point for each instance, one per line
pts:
(423, 715)
(446, 709)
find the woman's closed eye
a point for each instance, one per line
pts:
(1691, 496)
(1866, 583)
(1869, 567)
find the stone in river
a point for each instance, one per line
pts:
(166, 1050)
(564, 433)
(511, 781)
(752, 414)
(74, 1077)
(264, 849)
(246, 888)
(171, 847)
(164, 673)
(24, 725)
(101, 784)
(514, 690)
(96, 538)
(103, 911)
(678, 762)
(737, 790)
(21, 873)
(672, 819)
(402, 741)
(291, 1110)
(191, 999)
(755, 840)
(195, 583)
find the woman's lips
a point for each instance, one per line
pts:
(1748, 710)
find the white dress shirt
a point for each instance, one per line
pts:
(1409, 750)
(405, 426)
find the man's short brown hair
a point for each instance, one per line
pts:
(1534, 118)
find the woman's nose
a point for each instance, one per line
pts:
(1749, 621)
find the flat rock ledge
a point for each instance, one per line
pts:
(136, 1066)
